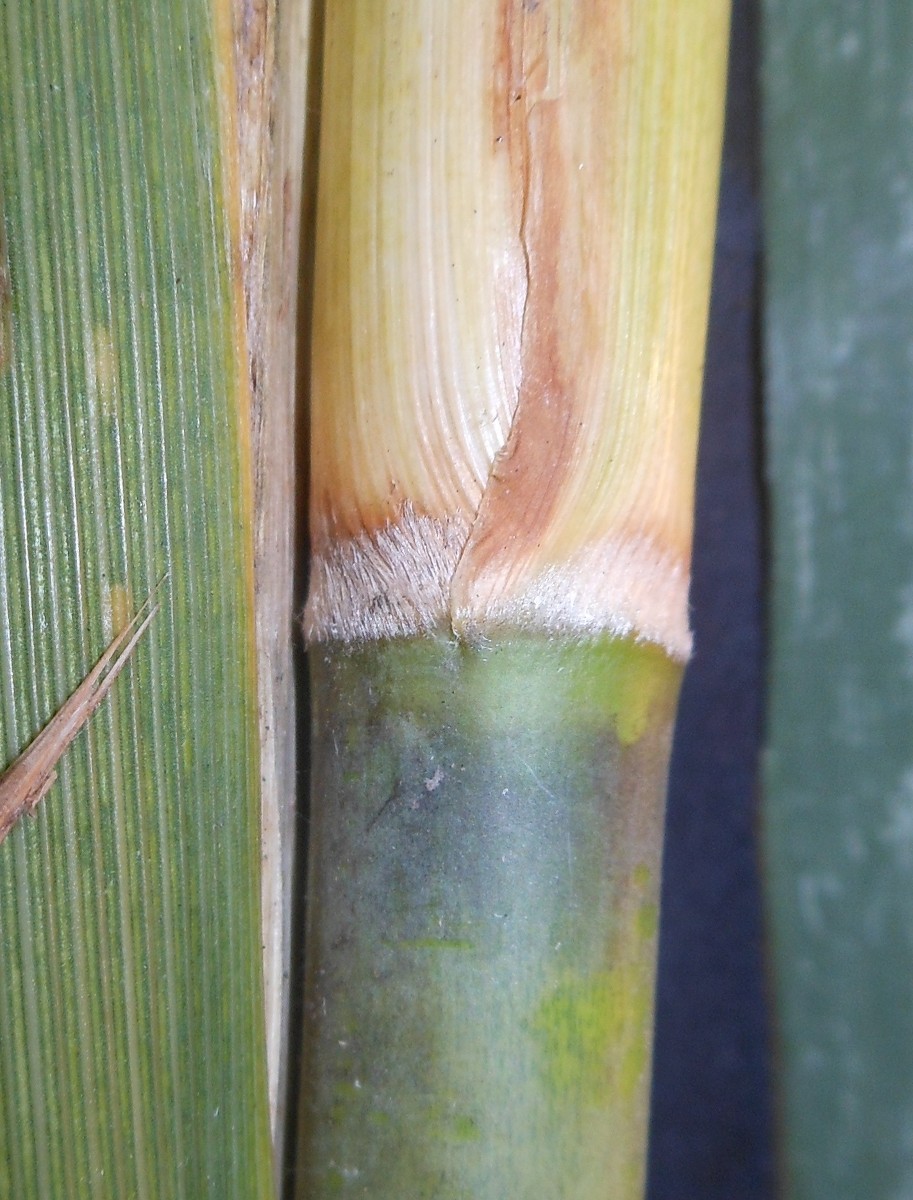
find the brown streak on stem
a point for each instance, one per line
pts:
(526, 474)
(30, 776)
(6, 301)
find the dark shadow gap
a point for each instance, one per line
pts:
(711, 1126)
(300, 582)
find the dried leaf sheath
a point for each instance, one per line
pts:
(272, 54)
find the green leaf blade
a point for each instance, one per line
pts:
(130, 982)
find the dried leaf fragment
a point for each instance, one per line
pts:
(30, 776)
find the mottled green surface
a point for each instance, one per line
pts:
(838, 815)
(485, 855)
(131, 1023)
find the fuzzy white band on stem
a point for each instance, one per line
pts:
(399, 583)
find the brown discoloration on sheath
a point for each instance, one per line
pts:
(526, 475)
(510, 101)
(30, 777)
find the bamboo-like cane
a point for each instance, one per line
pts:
(515, 229)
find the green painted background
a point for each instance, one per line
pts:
(838, 813)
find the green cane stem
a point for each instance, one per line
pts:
(485, 860)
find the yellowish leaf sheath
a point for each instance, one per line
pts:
(511, 300)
